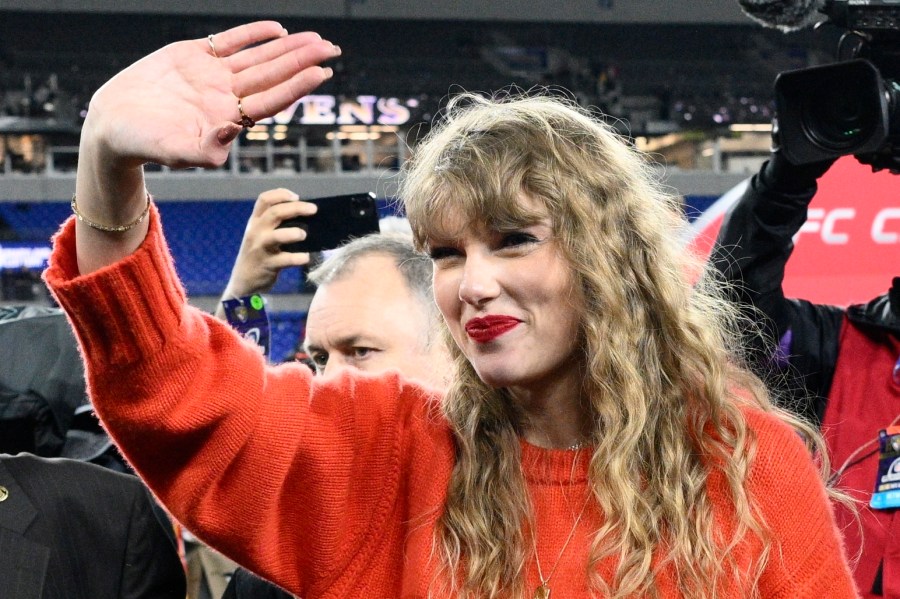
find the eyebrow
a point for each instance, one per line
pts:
(542, 221)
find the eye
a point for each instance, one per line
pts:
(361, 353)
(516, 239)
(440, 253)
(319, 358)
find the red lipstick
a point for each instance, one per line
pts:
(488, 328)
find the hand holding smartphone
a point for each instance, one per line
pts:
(338, 219)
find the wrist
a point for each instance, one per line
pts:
(108, 189)
(236, 290)
(98, 148)
(259, 281)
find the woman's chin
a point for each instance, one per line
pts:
(496, 378)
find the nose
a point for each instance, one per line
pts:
(479, 283)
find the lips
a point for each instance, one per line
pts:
(488, 328)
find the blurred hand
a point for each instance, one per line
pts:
(261, 258)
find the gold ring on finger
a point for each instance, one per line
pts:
(212, 45)
(246, 121)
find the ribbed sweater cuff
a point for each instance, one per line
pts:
(122, 312)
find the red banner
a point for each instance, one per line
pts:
(849, 248)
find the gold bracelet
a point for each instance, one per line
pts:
(107, 228)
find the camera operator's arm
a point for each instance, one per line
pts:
(261, 258)
(751, 252)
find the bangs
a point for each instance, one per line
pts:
(486, 192)
(500, 167)
(457, 205)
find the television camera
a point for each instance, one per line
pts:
(851, 106)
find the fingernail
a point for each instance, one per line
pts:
(227, 134)
(337, 49)
(328, 72)
(284, 31)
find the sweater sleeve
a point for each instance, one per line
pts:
(289, 475)
(807, 556)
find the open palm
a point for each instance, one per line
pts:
(179, 105)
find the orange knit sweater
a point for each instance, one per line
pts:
(332, 488)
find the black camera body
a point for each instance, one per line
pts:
(851, 106)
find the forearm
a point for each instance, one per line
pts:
(756, 238)
(180, 393)
(220, 437)
(109, 191)
(751, 253)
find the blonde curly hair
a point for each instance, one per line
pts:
(661, 357)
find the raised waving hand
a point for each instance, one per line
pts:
(182, 106)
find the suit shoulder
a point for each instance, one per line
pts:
(53, 472)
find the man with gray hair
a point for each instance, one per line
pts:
(373, 308)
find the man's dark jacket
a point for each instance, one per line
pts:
(73, 530)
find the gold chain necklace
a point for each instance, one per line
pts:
(577, 445)
(543, 589)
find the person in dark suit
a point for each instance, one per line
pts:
(73, 530)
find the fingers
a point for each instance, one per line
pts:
(275, 257)
(228, 133)
(248, 57)
(263, 76)
(275, 73)
(275, 99)
(211, 152)
(269, 198)
(280, 204)
(232, 40)
(281, 237)
(284, 260)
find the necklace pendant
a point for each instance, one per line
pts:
(542, 592)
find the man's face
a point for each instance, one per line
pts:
(369, 320)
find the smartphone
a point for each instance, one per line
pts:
(338, 219)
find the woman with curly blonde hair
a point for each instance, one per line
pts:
(657, 400)
(600, 439)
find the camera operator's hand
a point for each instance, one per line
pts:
(261, 258)
(780, 174)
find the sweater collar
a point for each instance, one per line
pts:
(555, 466)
